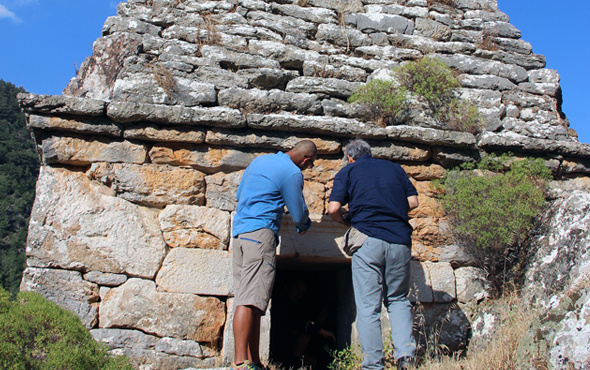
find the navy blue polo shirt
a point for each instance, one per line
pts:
(377, 192)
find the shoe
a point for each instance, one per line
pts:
(246, 365)
(406, 362)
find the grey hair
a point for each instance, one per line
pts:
(357, 148)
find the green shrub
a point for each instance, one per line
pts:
(432, 82)
(430, 79)
(491, 208)
(383, 100)
(37, 334)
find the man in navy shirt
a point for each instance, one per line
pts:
(379, 195)
(270, 183)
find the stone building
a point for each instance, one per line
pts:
(143, 152)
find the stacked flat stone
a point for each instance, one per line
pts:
(143, 153)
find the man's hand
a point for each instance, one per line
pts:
(335, 211)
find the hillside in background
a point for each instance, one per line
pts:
(19, 168)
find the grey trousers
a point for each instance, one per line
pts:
(381, 273)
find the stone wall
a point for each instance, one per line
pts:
(143, 153)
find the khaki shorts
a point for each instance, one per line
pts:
(254, 268)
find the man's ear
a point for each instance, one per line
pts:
(350, 160)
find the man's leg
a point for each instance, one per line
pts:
(247, 334)
(396, 288)
(367, 277)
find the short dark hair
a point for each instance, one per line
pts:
(357, 148)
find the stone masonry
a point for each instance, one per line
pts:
(143, 153)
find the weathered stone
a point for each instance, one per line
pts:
(96, 126)
(486, 82)
(327, 86)
(221, 78)
(342, 36)
(431, 46)
(457, 257)
(108, 279)
(282, 142)
(98, 74)
(472, 285)
(235, 60)
(420, 284)
(127, 24)
(324, 170)
(449, 158)
(125, 112)
(442, 279)
(206, 159)
(266, 78)
(259, 101)
(319, 69)
(549, 76)
(288, 56)
(308, 14)
(431, 136)
(195, 227)
(310, 124)
(60, 104)
(478, 66)
(66, 289)
(314, 194)
(321, 241)
(221, 190)
(178, 134)
(400, 152)
(380, 22)
(156, 85)
(539, 88)
(424, 172)
(430, 28)
(181, 316)
(150, 184)
(78, 224)
(80, 152)
(446, 322)
(196, 271)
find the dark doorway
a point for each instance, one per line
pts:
(312, 312)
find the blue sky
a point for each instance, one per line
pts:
(43, 41)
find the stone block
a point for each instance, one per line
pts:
(138, 305)
(78, 224)
(81, 152)
(420, 283)
(321, 241)
(195, 227)
(221, 190)
(65, 288)
(442, 279)
(150, 184)
(206, 159)
(196, 271)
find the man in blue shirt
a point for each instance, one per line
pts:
(379, 195)
(270, 183)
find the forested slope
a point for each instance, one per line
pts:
(19, 166)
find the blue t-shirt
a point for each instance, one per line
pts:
(377, 192)
(269, 183)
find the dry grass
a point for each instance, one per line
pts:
(500, 353)
(450, 3)
(487, 41)
(163, 78)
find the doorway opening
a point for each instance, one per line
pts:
(311, 314)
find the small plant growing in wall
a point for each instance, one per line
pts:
(491, 207)
(432, 82)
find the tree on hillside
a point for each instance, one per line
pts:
(19, 168)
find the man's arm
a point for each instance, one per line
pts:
(335, 211)
(292, 192)
(413, 201)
